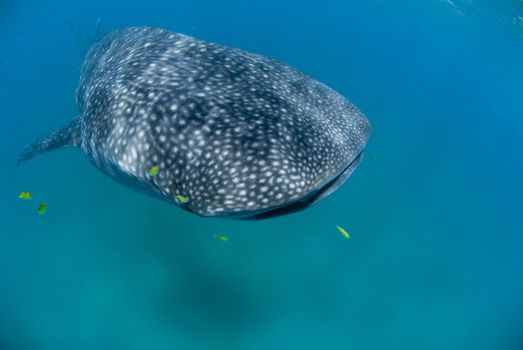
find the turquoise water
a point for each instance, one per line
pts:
(434, 210)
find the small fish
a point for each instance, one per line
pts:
(221, 237)
(42, 208)
(182, 199)
(26, 196)
(343, 232)
(154, 170)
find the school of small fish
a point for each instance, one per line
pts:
(27, 196)
(42, 207)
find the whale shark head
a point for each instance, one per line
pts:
(218, 131)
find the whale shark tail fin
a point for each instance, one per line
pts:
(70, 135)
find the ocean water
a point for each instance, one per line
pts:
(434, 210)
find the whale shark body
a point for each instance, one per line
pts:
(236, 134)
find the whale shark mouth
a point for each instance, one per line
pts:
(329, 187)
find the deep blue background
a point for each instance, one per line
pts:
(435, 260)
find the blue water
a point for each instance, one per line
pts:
(434, 210)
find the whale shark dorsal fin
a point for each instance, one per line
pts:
(68, 136)
(98, 30)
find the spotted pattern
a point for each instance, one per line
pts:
(231, 131)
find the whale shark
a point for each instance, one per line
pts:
(216, 130)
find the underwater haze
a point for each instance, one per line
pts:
(434, 211)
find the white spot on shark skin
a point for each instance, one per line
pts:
(252, 136)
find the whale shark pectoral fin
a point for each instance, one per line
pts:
(70, 135)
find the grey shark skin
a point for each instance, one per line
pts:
(237, 134)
